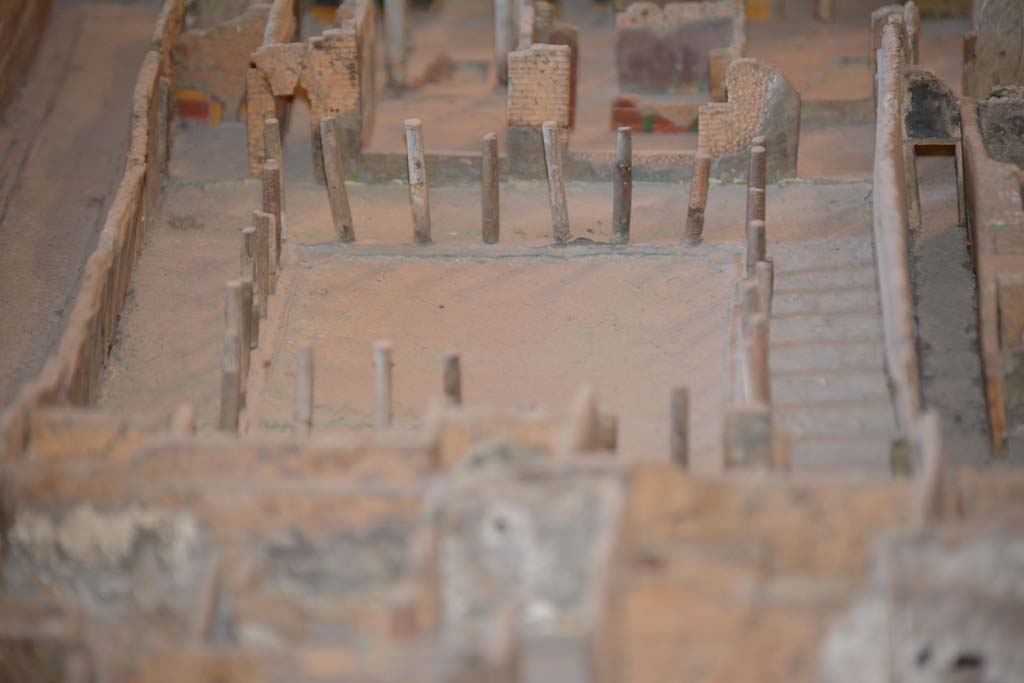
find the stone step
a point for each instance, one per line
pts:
(795, 300)
(867, 453)
(824, 387)
(858, 274)
(825, 418)
(826, 327)
(824, 356)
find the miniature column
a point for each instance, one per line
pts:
(334, 174)
(183, 420)
(453, 379)
(272, 142)
(693, 234)
(230, 383)
(755, 366)
(679, 437)
(251, 272)
(247, 264)
(758, 163)
(750, 301)
(382, 385)
(489, 189)
(764, 272)
(418, 193)
(503, 36)
(928, 484)
(556, 182)
(582, 430)
(302, 408)
(748, 436)
(756, 247)
(272, 205)
(163, 133)
(250, 321)
(622, 196)
(756, 176)
(236, 313)
(395, 18)
(265, 222)
(264, 258)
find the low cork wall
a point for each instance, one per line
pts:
(21, 27)
(71, 375)
(889, 206)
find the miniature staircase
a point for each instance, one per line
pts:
(829, 388)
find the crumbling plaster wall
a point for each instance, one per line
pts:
(668, 49)
(335, 69)
(761, 102)
(210, 65)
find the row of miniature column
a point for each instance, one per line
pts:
(588, 429)
(757, 287)
(749, 437)
(302, 406)
(248, 297)
(490, 176)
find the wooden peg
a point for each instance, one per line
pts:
(453, 379)
(556, 182)
(334, 173)
(382, 385)
(489, 189)
(622, 188)
(303, 403)
(419, 198)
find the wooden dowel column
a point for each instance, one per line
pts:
(928, 504)
(419, 199)
(382, 385)
(302, 408)
(453, 379)
(679, 437)
(764, 272)
(183, 420)
(622, 193)
(757, 378)
(395, 27)
(163, 132)
(237, 317)
(264, 258)
(756, 245)
(274, 147)
(756, 176)
(272, 206)
(556, 182)
(582, 430)
(758, 160)
(824, 10)
(694, 231)
(247, 265)
(503, 37)
(489, 189)
(230, 383)
(750, 301)
(250, 322)
(334, 174)
(251, 274)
